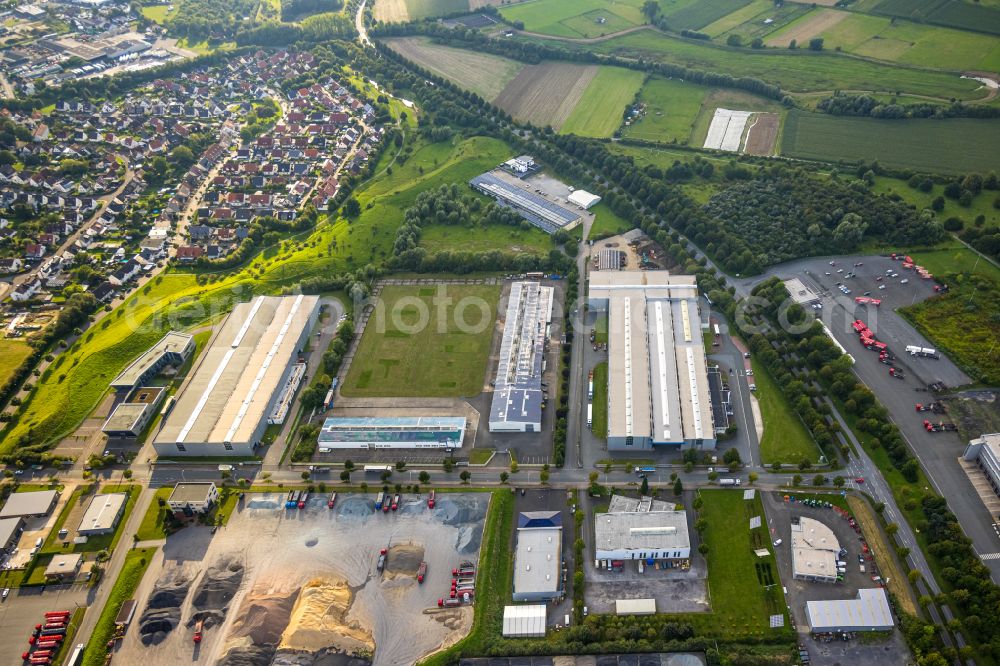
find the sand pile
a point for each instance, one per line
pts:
(257, 629)
(319, 621)
(404, 559)
(215, 591)
(449, 617)
(163, 610)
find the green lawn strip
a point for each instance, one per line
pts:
(741, 603)
(128, 580)
(481, 456)
(413, 345)
(785, 437)
(601, 330)
(607, 223)
(152, 526)
(600, 401)
(12, 354)
(446, 237)
(598, 114)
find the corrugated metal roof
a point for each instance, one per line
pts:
(524, 621)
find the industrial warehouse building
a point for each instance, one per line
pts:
(985, 452)
(224, 406)
(193, 497)
(538, 556)
(102, 514)
(642, 535)
(868, 612)
(517, 390)
(172, 350)
(550, 214)
(131, 416)
(815, 550)
(64, 567)
(406, 432)
(658, 391)
(38, 503)
(524, 621)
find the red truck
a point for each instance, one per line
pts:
(330, 502)
(896, 374)
(395, 501)
(449, 603)
(303, 498)
(421, 572)
(430, 500)
(197, 631)
(63, 614)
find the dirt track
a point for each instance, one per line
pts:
(762, 134)
(546, 94)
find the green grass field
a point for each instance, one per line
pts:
(156, 13)
(699, 14)
(797, 72)
(599, 424)
(672, 107)
(959, 145)
(419, 9)
(12, 354)
(482, 73)
(414, 346)
(607, 222)
(152, 526)
(736, 576)
(599, 112)
(136, 563)
(785, 439)
(758, 19)
(575, 18)
(444, 237)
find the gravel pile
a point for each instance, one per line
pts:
(215, 591)
(163, 610)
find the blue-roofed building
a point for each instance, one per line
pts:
(406, 432)
(540, 211)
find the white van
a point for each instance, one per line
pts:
(38, 542)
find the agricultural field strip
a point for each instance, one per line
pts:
(484, 74)
(546, 94)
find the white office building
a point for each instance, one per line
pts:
(642, 535)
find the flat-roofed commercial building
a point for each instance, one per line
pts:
(815, 550)
(102, 514)
(868, 612)
(10, 531)
(64, 567)
(37, 503)
(517, 390)
(130, 417)
(404, 432)
(223, 407)
(172, 349)
(985, 452)
(642, 535)
(195, 496)
(658, 391)
(538, 556)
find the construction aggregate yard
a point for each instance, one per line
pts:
(291, 586)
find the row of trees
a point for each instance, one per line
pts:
(842, 104)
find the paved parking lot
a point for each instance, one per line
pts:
(938, 452)
(25, 607)
(779, 515)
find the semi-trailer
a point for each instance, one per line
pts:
(729, 482)
(380, 565)
(421, 572)
(924, 352)
(331, 500)
(290, 500)
(57, 614)
(395, 501)
(303, 498)
(430, 500)
(590, 415)
(379, 499)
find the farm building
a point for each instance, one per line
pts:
(538, 556)
(64, 567)
(545, 213)
(406, 432)
(102, 514)
(172, 349)
(658, 392)
(868, 612)
(192, 497)
(815, 549)
(517, 390)
(985, 452)
(583, 199)
(10, 531)
(642, 535)
(223, 407)
(524, 621)
(38, 503)
(130, 417)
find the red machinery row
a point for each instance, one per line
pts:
(869, 341)
(463, 586)
(44, 642)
